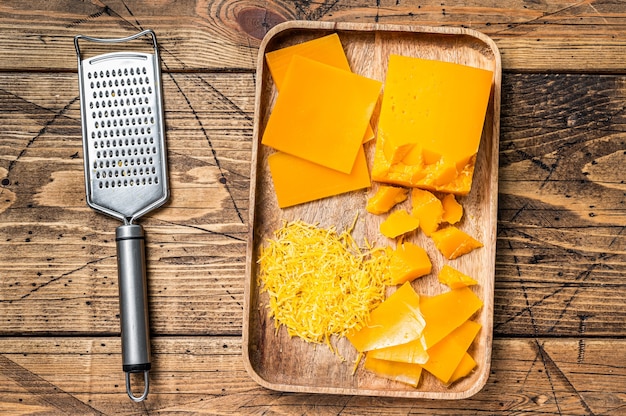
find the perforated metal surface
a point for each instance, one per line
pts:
(125, 163)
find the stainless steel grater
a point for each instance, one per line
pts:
(125, 173)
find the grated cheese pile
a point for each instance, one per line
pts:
(320, 283)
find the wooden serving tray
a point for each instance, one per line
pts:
(281, 363)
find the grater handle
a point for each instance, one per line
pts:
(147, 32)
(133, 304)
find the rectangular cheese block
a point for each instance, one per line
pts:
(297, 180)
(321, 114)
(431, 122)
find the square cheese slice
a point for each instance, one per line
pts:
(321, 114)
(327, 50)
(297, 181)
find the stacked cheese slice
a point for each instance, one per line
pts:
(319, 122)
(408, 333)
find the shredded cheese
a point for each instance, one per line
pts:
(320, 283)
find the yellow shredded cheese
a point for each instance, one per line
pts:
(320, 283)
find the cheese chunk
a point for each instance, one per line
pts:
(452, 210)
(397, 223)
(431, 121)
(453, 278)
(321, 114)
(453, 242)
(297, 181)
(428, 209)
(408, 262)
(386, 197)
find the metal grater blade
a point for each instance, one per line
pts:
(125, 160)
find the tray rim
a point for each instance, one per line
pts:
(495, 126)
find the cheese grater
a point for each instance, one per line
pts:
(125, 173)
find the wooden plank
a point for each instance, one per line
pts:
(205, 374)
(560, 229)
(555, 35)
(58, 256)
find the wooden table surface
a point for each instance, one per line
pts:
(560, 297)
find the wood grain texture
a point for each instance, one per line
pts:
(554, 35)
(205, 375)
(559, 305)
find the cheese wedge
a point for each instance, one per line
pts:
(321, 114)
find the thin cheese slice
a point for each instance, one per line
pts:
(321, 114)
(395, 321)
(297, 181)
(446, 355)
(403, 372)
(446, 312)
(327, 50)
(466, 365)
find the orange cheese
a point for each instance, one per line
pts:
(297, 180)
(446, 355)
(452, 210)
(397, 371)
(327, 50)
(452, 242)
(321, 114)
(427, 208)
(412, 352)
(453, 278)
(446, 312)
(397, 223)
(431, 120)
(466, 365)
(385, 198)
(408, 262)
(397, 320)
